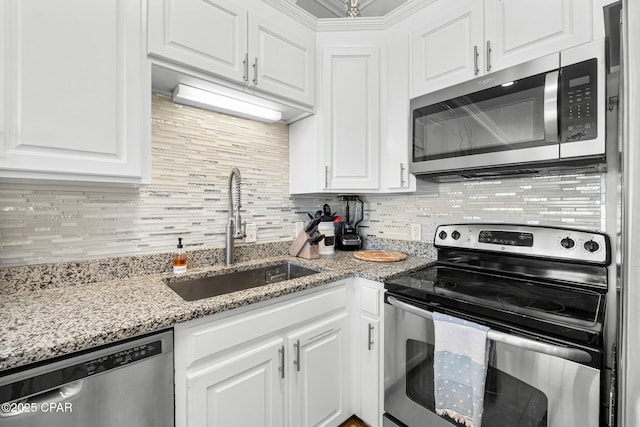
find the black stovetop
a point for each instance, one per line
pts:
(546, 307)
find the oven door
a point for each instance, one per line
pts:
(523, 387)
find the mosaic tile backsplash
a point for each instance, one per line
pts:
(193, 153)
(573, 199)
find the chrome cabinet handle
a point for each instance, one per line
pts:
(488, 55)
(245, 66)
(401, 174)
(255, 72)
(296, 361)
(572, 354)
(551, 107)
(326, 177)
(476, 70)
(281, 367)
(370, 340)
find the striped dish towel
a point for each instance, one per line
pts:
(460, 368)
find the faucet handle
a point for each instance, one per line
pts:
(241, 232)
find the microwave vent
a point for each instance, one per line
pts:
(504, 172)
(499, 174)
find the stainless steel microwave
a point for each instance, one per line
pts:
(545, 112)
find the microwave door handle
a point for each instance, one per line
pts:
(572, 354)
(551, 107)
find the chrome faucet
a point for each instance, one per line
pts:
(234, 222)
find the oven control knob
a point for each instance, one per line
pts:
(567, 243)
(455, 235)
(591, 246)
(442, 235)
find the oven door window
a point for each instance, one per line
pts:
(501, 118)
(507, 400)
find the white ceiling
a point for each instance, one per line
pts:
(337, 8)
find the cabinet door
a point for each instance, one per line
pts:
(319, 388)
(394, 164)
(521, 30)
(281, 62)
(448, 49)
(243, 389)
(76, 92)
(351, 86)
(210, 35)
(368, 349)
(369, 343)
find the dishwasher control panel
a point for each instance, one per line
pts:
(123, 357)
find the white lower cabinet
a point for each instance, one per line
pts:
(242, 389)
(370, 365)
(367, 352)
(283, 364)
(319, 380)
(311, 360)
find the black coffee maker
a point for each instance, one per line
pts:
(347, 237)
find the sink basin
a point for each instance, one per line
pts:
(195, 289)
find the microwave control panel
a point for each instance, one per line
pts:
(578, 101)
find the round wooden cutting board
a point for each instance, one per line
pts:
(380, 256)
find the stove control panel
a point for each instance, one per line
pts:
(535, 241)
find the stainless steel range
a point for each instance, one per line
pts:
(542, 292)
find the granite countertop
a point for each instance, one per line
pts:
(46, 323)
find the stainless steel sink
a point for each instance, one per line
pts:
(195, 289)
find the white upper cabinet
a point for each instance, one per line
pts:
(448, 49)
(519, 30)
(208, 35)
(358, 139)
(264, 50)
(281, 62)
(395, 176)
(76, 91)
(472, 38)
(351, 103)
(338, 148)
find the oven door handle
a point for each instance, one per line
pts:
(573, 354)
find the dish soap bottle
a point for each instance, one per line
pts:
(179, 259)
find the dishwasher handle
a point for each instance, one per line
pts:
(42, 401)
(567, 353)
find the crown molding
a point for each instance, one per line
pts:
(349, 24)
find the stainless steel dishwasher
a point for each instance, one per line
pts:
(129, 383)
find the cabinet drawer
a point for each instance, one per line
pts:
(207, 339)
(370, 302)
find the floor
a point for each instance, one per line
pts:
(354, 422)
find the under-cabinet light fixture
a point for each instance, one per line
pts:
(200, 98)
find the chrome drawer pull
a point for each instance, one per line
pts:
(476, 70)
(296, 362)
(281, 367)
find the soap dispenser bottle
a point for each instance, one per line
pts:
(179, 259)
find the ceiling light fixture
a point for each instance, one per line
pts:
(353, 11)
(200, 98)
